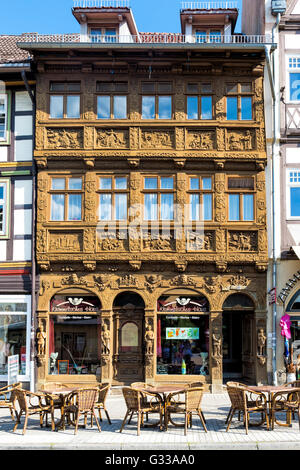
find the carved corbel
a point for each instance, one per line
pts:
(135, 265)
(89, 265)
(133, 162)
(41, 162)
(221, 267)
(181, 266)
(89, 162)
(179, 162)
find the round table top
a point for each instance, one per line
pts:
(168, 388)
(268, 388)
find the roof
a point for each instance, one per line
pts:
(10, 52)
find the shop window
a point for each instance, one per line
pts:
(199, 101)
(4, 117)
(293, 193)
(113, 197)
(239, 102)
(158, 198)
(156, 100)
(14, 333)
(64, 100)
(66, 198)
(294, 78)
(111, 100)
(182, 335)
(240, 199)
(200, 196)
(74, 335)
(4, 208)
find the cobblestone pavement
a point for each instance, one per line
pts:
(215, 408)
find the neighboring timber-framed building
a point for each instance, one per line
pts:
(151, 212)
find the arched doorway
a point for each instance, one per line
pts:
(128, 351)
(238, 338)
(293, 310)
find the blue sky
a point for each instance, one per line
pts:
(54, 16)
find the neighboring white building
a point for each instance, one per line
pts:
(281, 19)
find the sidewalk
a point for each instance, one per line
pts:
(215, 408)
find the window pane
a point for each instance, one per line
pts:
(201, 36)
(206, 107)
(12, 341)
(121, 183)
(192, 107)
(150, 207)
(73, 106)
(57, 207)
(74, 207)
(246, 88)
(167, 206)
(194, 183)
(232, 108)
(120, 107)
(194, 207)
(207, 206)
(295, 202)
(3, 112)
(96, 35)
(57, 86)
(105, 207)
(148, 87)
(148, 107)
(110, 35)
(246, 112)
(73, 86)
(164, 107)
(150, 183)
(75, 183)
(206, 183)
(105, 183)
(166, 182)
(121, 206)
(57, 107)
(248, 207)
(294, 86)
(58, 183)
(103, 111)
(164, 88)
(215, 36)
(192, 87)
(234, 207)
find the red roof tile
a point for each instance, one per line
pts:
(10, 52)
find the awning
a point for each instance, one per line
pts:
(297, 250)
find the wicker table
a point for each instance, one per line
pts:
(163, 391)
(270, 390)
(62, 394)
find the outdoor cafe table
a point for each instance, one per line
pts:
(269, 390)
(62, 393)
(163, 391)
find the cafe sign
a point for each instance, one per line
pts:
(60, 303)
(182, 304)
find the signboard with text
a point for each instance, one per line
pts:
(12, 369)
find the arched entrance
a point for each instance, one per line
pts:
(128, 327)
(293, 310)
(238, 338)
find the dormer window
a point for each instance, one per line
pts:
(107, 35)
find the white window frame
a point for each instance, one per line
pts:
(291, 69)
(4, 139)
(5, 183)
(290, 185)
(20, 299)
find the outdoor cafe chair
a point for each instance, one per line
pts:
(8, 397)
(288, 402)
(229, 385)
(247, 401)
(191, 404)
(134, 399)
(100, 403)
(81, 402)
(33, 403)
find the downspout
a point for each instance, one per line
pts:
(276, 117)
(33, 268)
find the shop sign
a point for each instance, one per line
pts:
(182, 304)
(289, 285)
(61, 303)
(182, 333)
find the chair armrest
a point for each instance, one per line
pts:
(259, 398)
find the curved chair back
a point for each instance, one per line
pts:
(193, 398)
(132, 398)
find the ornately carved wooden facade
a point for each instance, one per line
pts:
(129, 272)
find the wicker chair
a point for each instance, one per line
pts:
(191, 404)
(247, 401)
(8, 397)
(103, 390)
(81, 402)
(135, 403)
(288, 402)
(43, 405)
(229, 385)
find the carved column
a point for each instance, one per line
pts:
(150, 344)
(216, 353)
(106, 346)
(260, 346)
(135, 215)
(41, 343)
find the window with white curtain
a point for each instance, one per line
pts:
(158, 198)
(200, 198)
(3, 117)
(240, 199)
(66, 198)
(113, 198)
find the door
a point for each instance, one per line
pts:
(128, 357)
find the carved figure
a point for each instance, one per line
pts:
(216, 345)
(105, 338)
(261, 341)
(149, 339)
(41, 340)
